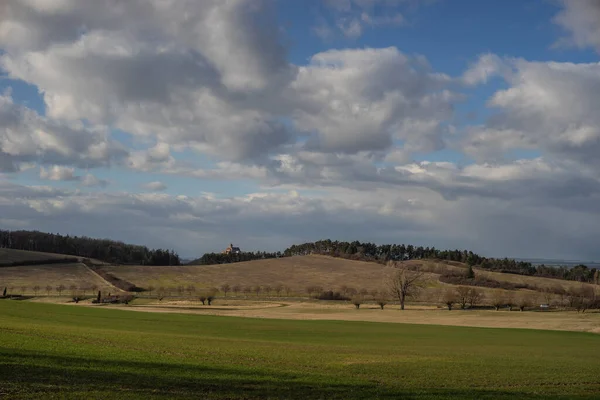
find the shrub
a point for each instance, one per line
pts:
(331, 295)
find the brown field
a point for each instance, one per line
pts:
(15, 278)
(295, 272)
(414, 314)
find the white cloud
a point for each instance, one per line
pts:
(90, 180)
(581, 19)
(58, 173)
(28, 137)
(351, 17)
(356, 100)
(548, 106)
(155, 186)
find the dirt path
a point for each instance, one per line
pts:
(563, 321)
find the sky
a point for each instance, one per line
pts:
(190, 124)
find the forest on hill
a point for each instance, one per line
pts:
(81, 246)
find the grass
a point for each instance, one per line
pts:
(10, 255)
(57, 351)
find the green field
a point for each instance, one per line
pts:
(61, 351)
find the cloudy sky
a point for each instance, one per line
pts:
(192, 124)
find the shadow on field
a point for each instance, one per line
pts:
(30, 375)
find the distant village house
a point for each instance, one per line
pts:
(232, 250)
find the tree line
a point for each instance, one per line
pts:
(82, 246)
(221, 258)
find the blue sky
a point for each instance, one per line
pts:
(431, 117)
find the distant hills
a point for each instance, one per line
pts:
(558, 262)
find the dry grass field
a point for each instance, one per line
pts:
(300, 272)
(23, 279)
(295, 272)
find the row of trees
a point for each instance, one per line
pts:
(82, 246)
(49, 289)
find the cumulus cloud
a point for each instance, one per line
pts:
(549, 107)
(581, 19)
(360, 100)
(140, 67)
(28, 137)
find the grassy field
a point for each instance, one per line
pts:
(57, 351)
(10, 255)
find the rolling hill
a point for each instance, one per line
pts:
(294, 274)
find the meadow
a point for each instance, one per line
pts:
(62, 351)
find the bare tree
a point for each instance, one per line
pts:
(60, 289)
(549, 295)
(278, 289)
(498, 300)
(257, 289)
(462, 296)
(23, 289)
(36, 289)
(374, 293)
(381, 302)
(357, 301)
(236, 289)
(344, 289)
(73, 289)
(509, 300)
(586, 298)
(405, 283)
(474, 297)
(449, 298)
(363, 292)
(151, 289)
(247, 290)
(48, 289)
(190, 289)
(524, 300)
(288, 290)
(268, 290)
(225, 288)
(203, 298)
